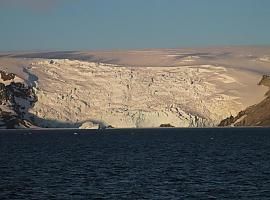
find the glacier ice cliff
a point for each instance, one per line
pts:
(62, 93)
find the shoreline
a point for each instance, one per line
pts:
(129, 129)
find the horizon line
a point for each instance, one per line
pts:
(141, 49)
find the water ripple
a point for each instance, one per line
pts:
(147, 164)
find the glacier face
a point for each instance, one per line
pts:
(71, 93)
(171, 88)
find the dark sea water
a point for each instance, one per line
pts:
(135, 164)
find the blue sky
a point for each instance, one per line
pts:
(128, 24)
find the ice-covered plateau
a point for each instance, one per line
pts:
(62, 93)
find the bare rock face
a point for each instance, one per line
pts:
(166, 126)
(256, 115)
(228, 121)
(265, 80)
(9, 120)
(5, 76)
(15, 100)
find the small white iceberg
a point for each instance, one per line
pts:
(89, 125)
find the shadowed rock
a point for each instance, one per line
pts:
(256, 115)
(5, 76)
(166, 126)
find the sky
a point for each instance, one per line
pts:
(131, 24)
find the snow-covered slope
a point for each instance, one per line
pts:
(86, 94)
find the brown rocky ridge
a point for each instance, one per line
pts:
(256, 115)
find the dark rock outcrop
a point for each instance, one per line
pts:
(256, 115)
(228, 121)
(166, 126)
(15, 100)
(10, 120)
(5, 76)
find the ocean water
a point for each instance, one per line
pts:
(135, 164)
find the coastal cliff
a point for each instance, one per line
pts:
(191, 90)
(91, 95)
(256, 115)
(15, 100)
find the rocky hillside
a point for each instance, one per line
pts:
(15, 100)
(256, 115)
